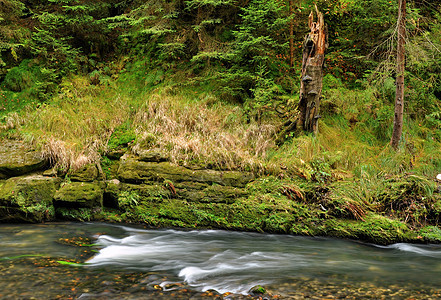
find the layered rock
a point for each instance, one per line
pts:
(146, 182)
(132, 170)
(79, 194)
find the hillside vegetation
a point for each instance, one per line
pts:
(209, 82)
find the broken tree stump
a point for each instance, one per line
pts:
(314, 47)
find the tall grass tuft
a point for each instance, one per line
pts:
(197, 132)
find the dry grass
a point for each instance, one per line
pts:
(196, 132)
(75, 128)
(193, 129)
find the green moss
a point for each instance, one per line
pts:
(430, 234)
(109, 167)
(27, 190)
(79, 194)
(375, 228)
(121, 137)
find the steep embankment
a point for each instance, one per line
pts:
(150, 189)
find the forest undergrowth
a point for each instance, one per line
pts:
(347, 169)
(211, 83)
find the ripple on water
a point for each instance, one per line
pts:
(133, 262)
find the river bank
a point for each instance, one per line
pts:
(146, 187)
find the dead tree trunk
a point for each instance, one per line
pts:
(314, 47)
(399, 95)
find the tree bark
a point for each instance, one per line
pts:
(291, 34)
(314, 47)
(399, 95)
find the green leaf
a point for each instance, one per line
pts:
(69, 263)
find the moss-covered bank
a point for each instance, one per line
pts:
(137, 189)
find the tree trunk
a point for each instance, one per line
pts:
(399, 95)
(314, 47)
(291, 34)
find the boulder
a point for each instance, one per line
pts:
(27, 198)
(79, 194)
(28, 190)
(18, 158)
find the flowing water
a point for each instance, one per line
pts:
(104, 261)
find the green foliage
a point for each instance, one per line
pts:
(128, 199)
(69, 263)
(80, 214)
(108, 166)
(258, 54)
(121, 137)
(25, 86)
(321, 170)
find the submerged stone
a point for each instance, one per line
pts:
(18, 158)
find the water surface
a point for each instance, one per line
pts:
(134, 263)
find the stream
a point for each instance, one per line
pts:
(107, 261)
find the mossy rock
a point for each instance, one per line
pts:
(152, 155)
(79, 194)
(18, 158)
(88, 173)
(26, 191)
(132, 170)
(214, 193)
(149, 192)
(27, 198)
(191, 185)
(375, 229)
